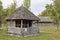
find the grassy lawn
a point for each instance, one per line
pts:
(46, 33)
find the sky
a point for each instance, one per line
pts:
(37, 6)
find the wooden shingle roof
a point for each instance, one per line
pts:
(22, 13)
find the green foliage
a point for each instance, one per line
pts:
(48, 10)
(44, 13)
(11, 9)
(8, 11)
(53, 10)
(1, 13)
(26, 4)
(1, 9)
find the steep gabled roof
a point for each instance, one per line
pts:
(22, 13)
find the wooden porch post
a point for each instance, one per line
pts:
(21, 23)
(22, 33)
(28, 24)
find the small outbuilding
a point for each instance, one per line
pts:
(44, 21)
(20, 22)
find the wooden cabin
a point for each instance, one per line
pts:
(20, 22)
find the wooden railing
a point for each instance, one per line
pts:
(24, 31)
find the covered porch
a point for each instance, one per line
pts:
(23, 23)
(23, 31)
(22, 27)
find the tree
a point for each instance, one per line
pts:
(53, 10)
(1, 12)
(44, 13)
(57, 11)
(48, 10)
(9, 10)
(26, 3)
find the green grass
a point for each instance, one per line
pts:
(46, 33)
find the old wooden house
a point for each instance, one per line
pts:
(20, 22)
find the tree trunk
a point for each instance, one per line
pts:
(0, 23)
(57, 26)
